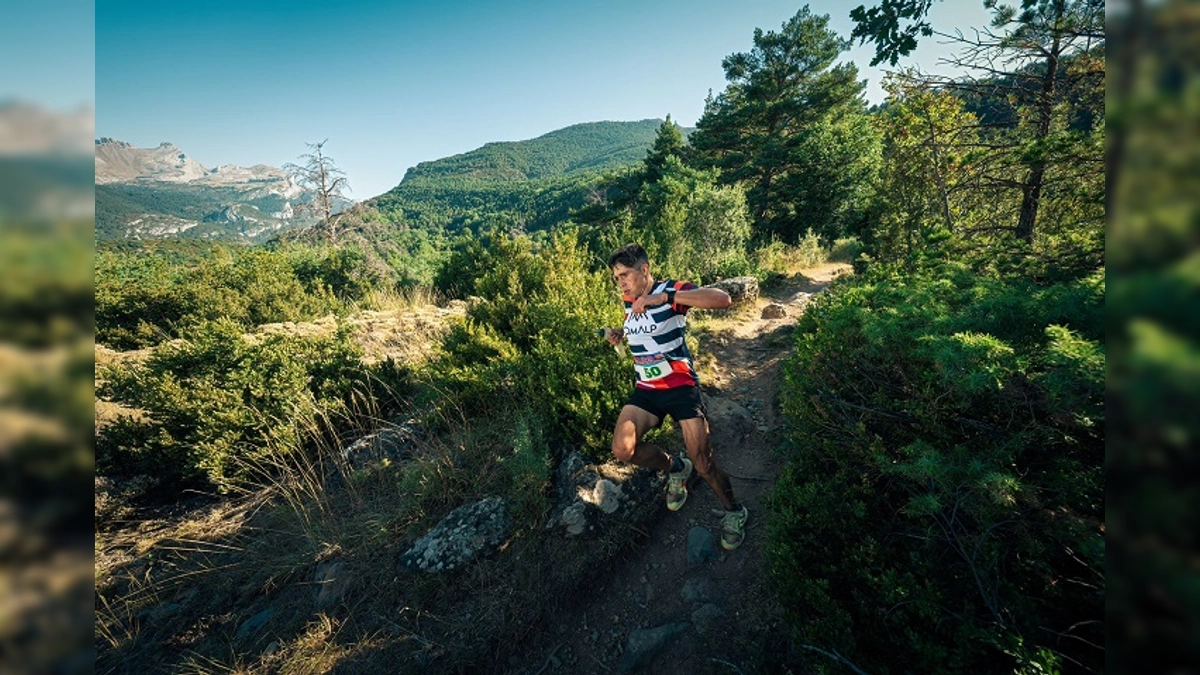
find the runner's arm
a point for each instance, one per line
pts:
(700, 298)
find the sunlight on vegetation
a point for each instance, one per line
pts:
(940, 507)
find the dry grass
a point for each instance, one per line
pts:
(171, 592)
(227, 563)
(403, 330)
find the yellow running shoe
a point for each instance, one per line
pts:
(677, 485)
(733, 528)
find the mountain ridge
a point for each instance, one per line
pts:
(577, 147)
(162, 192)
(531, 184)
(119, 161)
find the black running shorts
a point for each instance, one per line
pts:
(681, 403)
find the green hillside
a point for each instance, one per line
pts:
(533, 183)
(580, 147)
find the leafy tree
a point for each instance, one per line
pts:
(925, 191)
(780, 126)
(1045, 60)
(327, 182)
(1039, 39)
(693, 227)
(893, 26)
(608, 202)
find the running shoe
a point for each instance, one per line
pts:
(733, 528)
(677, 491)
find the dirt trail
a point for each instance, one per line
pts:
(732, 619)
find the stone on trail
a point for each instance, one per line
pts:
(699, 590)
(701, 545)
(591, 498)
(644, 643)
(707, 618)
(774, 311)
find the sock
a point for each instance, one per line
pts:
(737, 507)
(676, 464)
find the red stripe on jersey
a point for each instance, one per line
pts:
(680, 376)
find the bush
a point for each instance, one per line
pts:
(846, 250)
(941, 510)
(529, 344)
(146, 297)
(779, 259)
(217, 399)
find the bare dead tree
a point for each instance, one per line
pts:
(325, 180)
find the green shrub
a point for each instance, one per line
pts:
(146, 297)
(941, 510)
(777, 259)
(217, 399)
(846, 250)
(347, 272)
(529, 344)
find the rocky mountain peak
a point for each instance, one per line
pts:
(121, 162)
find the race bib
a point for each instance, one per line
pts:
(651, 367)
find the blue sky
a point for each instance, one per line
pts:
(391, 84)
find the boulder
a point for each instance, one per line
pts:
(740, 289)
(589, 498)
(391, 444)
(732, 417)
(462, 536)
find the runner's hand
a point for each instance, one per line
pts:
(650, 300)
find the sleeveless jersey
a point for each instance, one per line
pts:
(660, 355)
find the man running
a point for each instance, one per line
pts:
(667, 384)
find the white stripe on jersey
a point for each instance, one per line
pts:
(658, 322)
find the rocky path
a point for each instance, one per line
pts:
(676, 603)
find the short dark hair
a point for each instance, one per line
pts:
(629, 255)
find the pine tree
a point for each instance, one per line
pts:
(669, 142)
(786, 101)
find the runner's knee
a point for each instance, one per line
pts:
(622, 450)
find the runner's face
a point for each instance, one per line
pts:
(633, 281)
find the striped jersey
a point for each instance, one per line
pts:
(660, 355)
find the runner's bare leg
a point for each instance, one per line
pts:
(699, 448)
(632, 424)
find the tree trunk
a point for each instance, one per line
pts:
(1037, 170)
(937, 174)
(764, 184)
(1029, 201)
